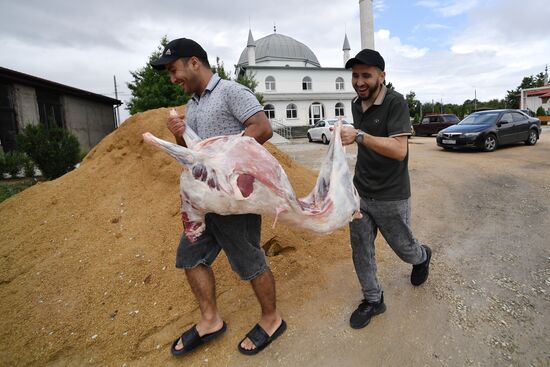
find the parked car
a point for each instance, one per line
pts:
(486, 130)
(434, 123)
(322, 130)
(528, 112)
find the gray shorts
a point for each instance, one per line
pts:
(237, 235)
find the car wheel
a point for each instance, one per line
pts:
(490, 143)
(532, 139)
(309, 138)
(324, 139)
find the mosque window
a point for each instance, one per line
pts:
(339, 83)
(269, 111)
(270, 83)
(306, 83)
(339, 109)
(291, 111)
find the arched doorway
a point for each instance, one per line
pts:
(316, 112)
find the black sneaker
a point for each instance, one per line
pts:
(420, 272)
(366, 310)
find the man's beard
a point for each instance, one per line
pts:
(372, 92)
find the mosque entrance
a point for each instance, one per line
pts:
(316, 112)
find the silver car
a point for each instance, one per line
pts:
(322, 130)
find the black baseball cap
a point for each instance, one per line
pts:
(367, 57)
(178, 48)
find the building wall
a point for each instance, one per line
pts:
(290, 80)
(288, 89)
(303, 108)
(90, 121)
(25, 105)
(534, 102)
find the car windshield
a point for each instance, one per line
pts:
(480, 119)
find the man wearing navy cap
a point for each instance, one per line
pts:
(382, 129)
(220, 107)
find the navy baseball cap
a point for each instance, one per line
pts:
(367, 57)
(178, 48)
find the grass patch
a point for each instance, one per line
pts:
(9, 188)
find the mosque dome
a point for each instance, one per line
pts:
(280, 48)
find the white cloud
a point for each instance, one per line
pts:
(83, 44)
(457, 8)
(384, 41)
(379, 5)
(429, 3)
(430, 26)
(449, 8)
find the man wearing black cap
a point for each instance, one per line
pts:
(382, 128)
(220, 107)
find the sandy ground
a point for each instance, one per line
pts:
(487, 299)
(87, 277)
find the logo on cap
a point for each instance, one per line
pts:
(168, 52)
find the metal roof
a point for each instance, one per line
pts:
(278, 47)
(12, 76)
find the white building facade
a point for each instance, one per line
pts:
(533, 98)
(297, 91)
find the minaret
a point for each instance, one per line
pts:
(346, 49)
(367, 24)
(546, 75)
(251, 49)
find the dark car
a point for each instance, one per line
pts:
(434, 123)
(488, 129)
(528, 112)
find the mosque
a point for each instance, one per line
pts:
(297, 90)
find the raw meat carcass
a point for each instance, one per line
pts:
(234, 174)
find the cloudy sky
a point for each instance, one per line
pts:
(440, 49)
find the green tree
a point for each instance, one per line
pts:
(219, 68)
(55, 151)
(512, 96)
(153, 89)
(249, 81)
(415, 106)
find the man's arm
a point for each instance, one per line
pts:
(258, 127)
(394, 147)
(176, 125)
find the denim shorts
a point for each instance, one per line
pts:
(237, 235)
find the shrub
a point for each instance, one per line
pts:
(541, 111)
(2, 167)
(13, 163)
(55, 151)
(28, 167)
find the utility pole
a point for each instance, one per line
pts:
(475, 99)
(117, 114)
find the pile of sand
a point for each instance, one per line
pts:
(87, 261)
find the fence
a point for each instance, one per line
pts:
(280, 128)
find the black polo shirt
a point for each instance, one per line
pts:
(376, 176)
